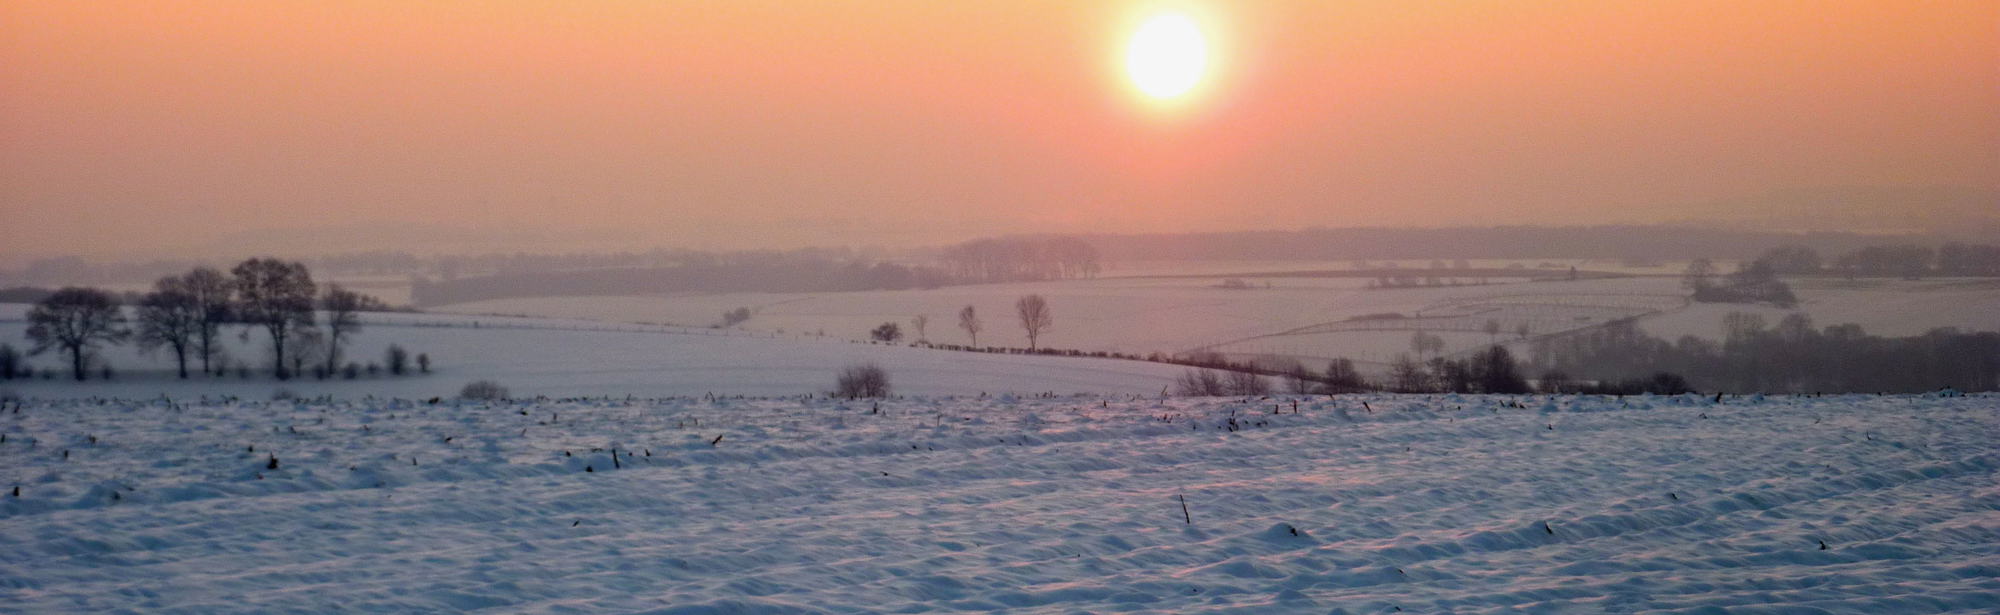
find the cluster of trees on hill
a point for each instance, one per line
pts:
(1906, 260)
(1753, 282)
(1022, 259)
(775, 272)
(1792, 357)
(1489, 371)
(185, 315)
(1626, 242)
(986, 260)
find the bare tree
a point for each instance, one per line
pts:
(277, 296)
(306, 345)
(1247, 383)
(918, 323)
(1200, 383)
(968, 319)
(212, 293)
(424, 362)
(1492, 330)
(1341, 377)
(1521, 331)
(169, 317)
(342, 309)
(1407, 376)
(1301, 380)
(75, 320)
(1035, 317)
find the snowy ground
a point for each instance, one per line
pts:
(1301, 317)
(1367, 504)
(1137, 315)
(534, 356)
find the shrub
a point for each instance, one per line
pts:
(483, 390)
(1248, 383)
(858, 381)
(1200, 383)
(398, 360)
(1341, 377)
(735, 317)
(888, 332)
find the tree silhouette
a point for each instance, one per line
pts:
(169, 317)
(1035, 317)
(968, 319)
(342, 309)
(212, 298)
(277, 296)
(75, 320)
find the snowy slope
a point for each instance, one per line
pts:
(533, 356)
(1368, 504)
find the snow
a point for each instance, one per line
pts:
(533, 356)
(1143, 315)
(1133, 315)
(1356, 504)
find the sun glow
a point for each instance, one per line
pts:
(1167, 56)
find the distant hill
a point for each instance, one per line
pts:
(1644, 242)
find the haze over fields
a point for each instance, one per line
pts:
(707, 307)
(216, 128)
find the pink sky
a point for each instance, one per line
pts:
(159, 127)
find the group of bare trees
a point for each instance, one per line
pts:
(1022, 259)
(1032, 311)
(184, 315)
(1488, 371)
(1213, 383)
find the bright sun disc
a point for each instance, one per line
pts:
(1166, 56)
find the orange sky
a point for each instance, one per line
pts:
(144, 127)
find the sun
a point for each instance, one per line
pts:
(1167, 56)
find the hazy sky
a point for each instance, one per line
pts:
(164, 127)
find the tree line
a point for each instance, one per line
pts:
(185, 316)
(1031, 311)
(1752, 282)
(1911, 261)
(1793, 356)
(1022, 259)
(759, 272)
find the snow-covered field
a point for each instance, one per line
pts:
(534, 356)
(1295, 317)
(1365, 504)
(1138, 315)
